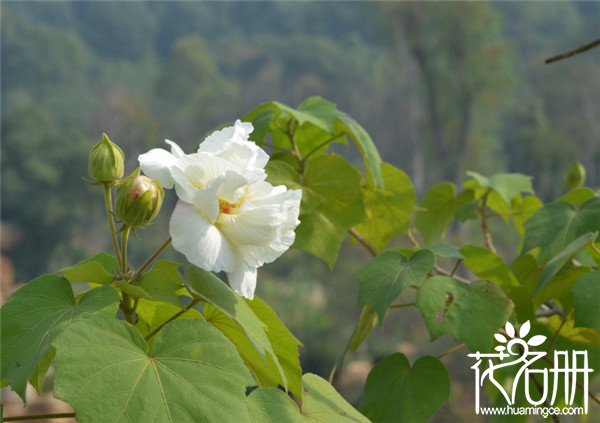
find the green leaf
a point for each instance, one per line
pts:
(507, 185)
(321, 404)
(397, 392)
(436, 211)
(388, 211)
(365, 146)
(207, 287)
(586, 297)
(192, 373)
(444, 249)
(385, 276)
(560, 288)
(578, 196)
(558, 261)
(98, 269)
(163, 282)
(557, 224)
(527, 271)
(366, 323)
(285, 347)
(315, 121)
(132, 290)
(35, 314)
(331, 202)
(488, 266)
(39, 374)
(470, 313)
(522, 209)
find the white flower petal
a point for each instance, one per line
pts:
(243, 281)
(251, 227)
(157, 164)
(175, 149)
(200, 241)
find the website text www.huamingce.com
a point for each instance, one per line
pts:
(532, 411)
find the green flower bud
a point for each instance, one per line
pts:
(106, 161)
(574, 176)
(138, 199)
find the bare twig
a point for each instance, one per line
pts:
(571, 53)
(150, 260)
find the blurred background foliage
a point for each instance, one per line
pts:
(441, 87)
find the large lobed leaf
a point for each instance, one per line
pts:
(285, 346)
(37, 313)
(331, 202)
(315, 121)
(192, 373)
(207, 287)
(388, 210)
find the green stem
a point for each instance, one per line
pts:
(111, 220)
(150, 260)
(124, 239)
(175, 316)
(39, 417)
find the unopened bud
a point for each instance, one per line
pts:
(138, 199)
(574, 176)
(106, 161)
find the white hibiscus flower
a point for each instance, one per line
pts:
(227, 217)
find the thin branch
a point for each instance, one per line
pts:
(450, 351)
(175, 316)
(571, 53)
(363, 241)
(39, 417)
(150, 260)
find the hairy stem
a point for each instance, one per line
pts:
(173, 317)
(150, 260)
(111, 220)
(39, 417)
